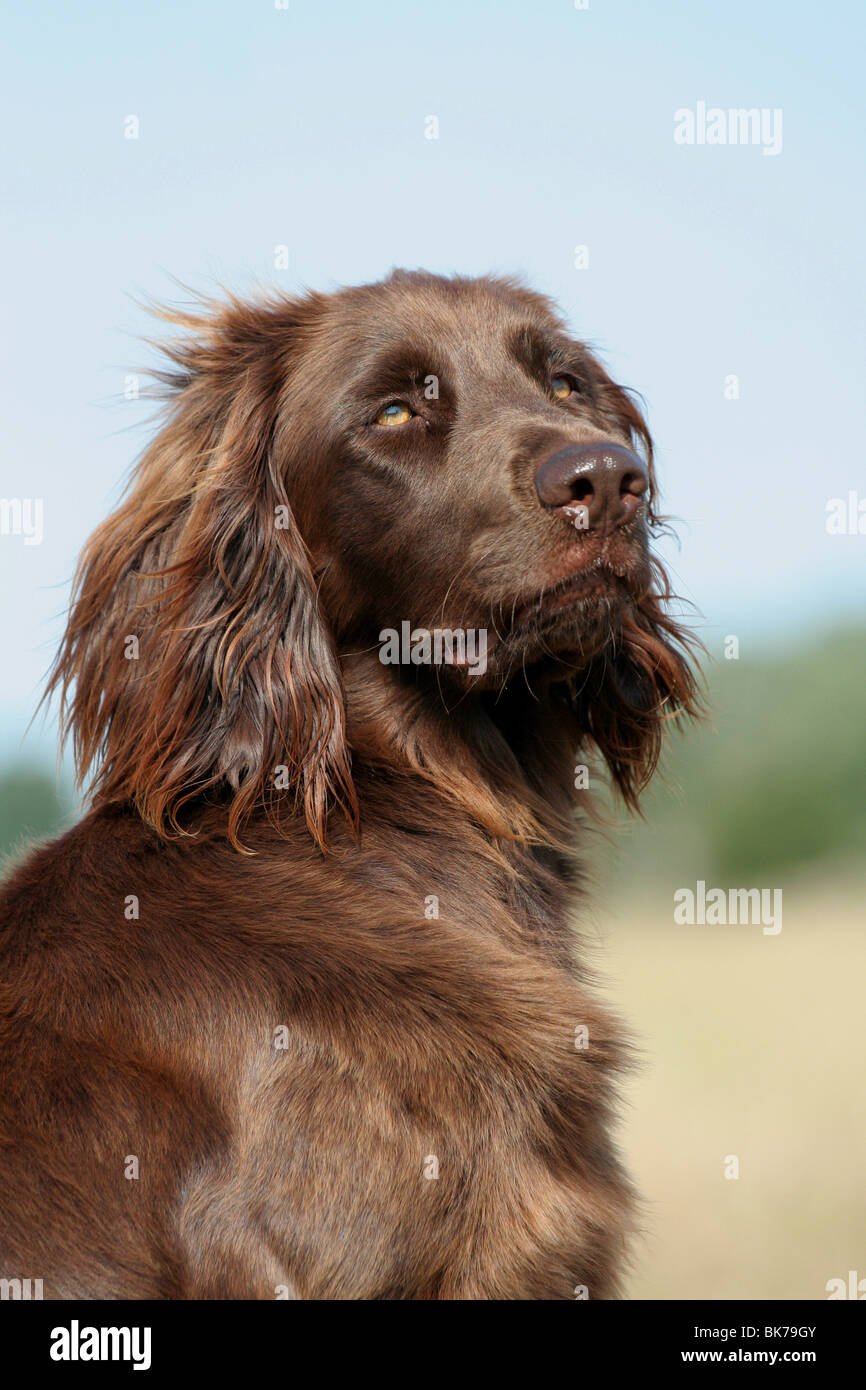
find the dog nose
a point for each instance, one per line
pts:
(600, 486)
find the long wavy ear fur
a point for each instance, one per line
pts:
(195, 660)
(630, 693)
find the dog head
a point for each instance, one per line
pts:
(421, 456)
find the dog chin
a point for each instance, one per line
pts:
(554, 646)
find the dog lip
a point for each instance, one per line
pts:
(586, 555)
(593, 564)
(550, 601)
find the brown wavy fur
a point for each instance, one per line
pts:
(402, 906)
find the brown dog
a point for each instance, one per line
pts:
(294, 1010)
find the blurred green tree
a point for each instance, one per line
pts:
(775, 778)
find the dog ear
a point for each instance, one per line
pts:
(648, 677)
(629, 695)
(196, 660)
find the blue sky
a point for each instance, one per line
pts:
(305, 127)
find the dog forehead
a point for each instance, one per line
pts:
(464, 320)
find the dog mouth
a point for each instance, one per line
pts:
(573, 612)
(607, 573)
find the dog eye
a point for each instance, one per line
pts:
(397, 413)
(562, 387)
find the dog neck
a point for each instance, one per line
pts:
(504, 759)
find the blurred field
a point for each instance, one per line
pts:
(754, 1046)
